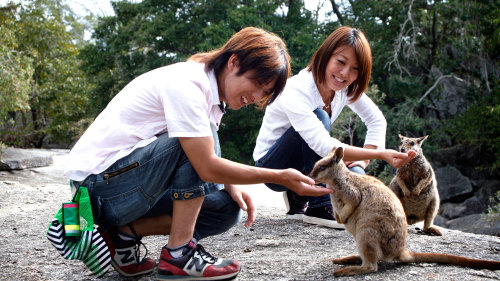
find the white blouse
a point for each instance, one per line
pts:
(295, 106)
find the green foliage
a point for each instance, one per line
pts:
(2, 147)
(146, 35)
(348, 127)
(238, 133)
(479, 127)
(15, 68)
(494, 210)
(51, 78)
(55, 87)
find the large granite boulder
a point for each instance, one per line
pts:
(476, 223)
(452, 184)
(17, 159)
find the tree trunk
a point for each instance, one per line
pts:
(337, 12)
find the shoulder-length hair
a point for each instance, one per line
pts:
(258, 50)
(344, 36)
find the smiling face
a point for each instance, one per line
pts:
(342, 69)
(241, 90)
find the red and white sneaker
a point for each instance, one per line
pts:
(125, 254)
(195, 264)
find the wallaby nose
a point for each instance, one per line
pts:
(403, 149)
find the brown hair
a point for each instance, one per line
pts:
(344, 36)
(256, 49)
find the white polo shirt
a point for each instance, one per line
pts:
(295, 106)
(181, 99)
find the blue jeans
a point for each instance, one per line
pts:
(291, 151)
(145, 183)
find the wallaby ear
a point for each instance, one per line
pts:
(421, 139)
(401, 137)
(332, 152)
(339, 154)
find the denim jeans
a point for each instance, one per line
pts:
(145, 183)
(291, 151)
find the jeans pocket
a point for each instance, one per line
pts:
(126, 207)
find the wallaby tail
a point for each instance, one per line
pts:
(450, 259)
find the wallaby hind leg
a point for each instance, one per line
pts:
(429, 218)
(354, 259)
(369, 263)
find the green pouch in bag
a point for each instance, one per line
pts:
(73, 234)
(71, 219)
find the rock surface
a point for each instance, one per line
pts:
(16, 159)
(271, 249)
(451, 183)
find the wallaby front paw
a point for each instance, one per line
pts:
(337, 217)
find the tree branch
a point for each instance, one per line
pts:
(436, 83)
(336, 10)
(409, 51)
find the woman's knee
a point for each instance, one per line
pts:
(323, 117)
(358, 170)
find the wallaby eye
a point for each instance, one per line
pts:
(412, 143)
(321, 168)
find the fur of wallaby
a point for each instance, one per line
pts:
(375, 217)
(416, 186)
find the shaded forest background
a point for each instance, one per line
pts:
(436, 66)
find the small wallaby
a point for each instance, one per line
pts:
(375, 217)
(416, 186)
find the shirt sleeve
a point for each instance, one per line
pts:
(187, 110)
(299, 110)
(373, 118)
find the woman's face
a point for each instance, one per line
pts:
(342, 69)
(239, 91)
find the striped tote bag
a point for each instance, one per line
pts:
(73, 234)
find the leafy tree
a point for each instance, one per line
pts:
(146, 35)
(15, 68)
(57, 93)
(434, 60)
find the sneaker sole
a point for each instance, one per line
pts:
(298, 217)
(188, 278)
(286, 202)
(323, 222)
(117, 268)
(288, 216)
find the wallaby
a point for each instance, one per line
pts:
(416, 186)
(375, 217)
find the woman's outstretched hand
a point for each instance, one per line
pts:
(398, 159)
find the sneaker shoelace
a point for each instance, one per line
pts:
(137, 249)
(205, 255)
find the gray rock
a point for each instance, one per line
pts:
(271, 249)
(440, 220)
(487, 192)
(473, 206)
(451, 99)
(477, 223)
(454, 210)
(16, 159)
(451, 183)
(451, 210)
